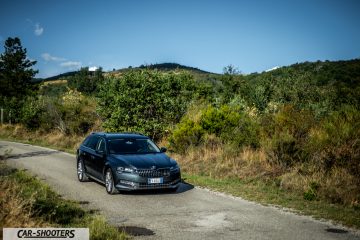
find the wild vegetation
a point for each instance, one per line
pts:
(295, 128)
(27, 202)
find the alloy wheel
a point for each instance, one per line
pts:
(80, 171)
(109, 182)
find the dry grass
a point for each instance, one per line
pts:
(16, 211)
(60, 81)
(53, 138)
(220, 161)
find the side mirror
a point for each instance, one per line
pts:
(102, 153)
(163, 149)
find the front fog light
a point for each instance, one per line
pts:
(127, 183)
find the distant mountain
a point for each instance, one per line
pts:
(158, 66)
(61, 76)
(172, 66)
(165, 67)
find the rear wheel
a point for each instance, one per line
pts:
(81, 171)
(109, 182)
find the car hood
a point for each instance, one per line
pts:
(144, 161)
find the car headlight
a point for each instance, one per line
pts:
(124, 170)
(174, 168)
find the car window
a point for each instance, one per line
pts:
(86, 141)
(92, 142)
(101, 145)
(125, 146)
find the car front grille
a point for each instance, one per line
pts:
(161, 172)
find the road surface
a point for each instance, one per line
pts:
(190, 213)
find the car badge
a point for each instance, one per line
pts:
(153, 167)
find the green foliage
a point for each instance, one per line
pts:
(31, 113)
(85, 81)
(285, 135)
(70, 113)
(311, 193)
(15, 70)
(336, 141)
(47, 204)
(187, 133)
(228, 124)
(16, 75)
(145, 101)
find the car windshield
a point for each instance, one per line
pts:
(126, 146)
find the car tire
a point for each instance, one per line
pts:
(109, 182)
(81, 171)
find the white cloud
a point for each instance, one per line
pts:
(38, 30)
(93, 69)
(47, 57)
(71, 64)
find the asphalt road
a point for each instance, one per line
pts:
(190, 213)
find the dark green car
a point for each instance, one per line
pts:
(126, 161)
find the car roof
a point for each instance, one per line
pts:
(121, 135)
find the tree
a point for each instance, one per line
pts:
(145, 101)
(86, 81)
(232, 81)
(15, 71)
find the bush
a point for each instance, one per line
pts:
(285, 135)
(336, 141)
(31, 113)
(228, 124)
(85, 81)
(231, 125)
(71, 113)
(187, 133)
(145, 101)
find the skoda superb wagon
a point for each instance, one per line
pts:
(126, 161)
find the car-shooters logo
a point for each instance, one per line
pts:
(46, 233)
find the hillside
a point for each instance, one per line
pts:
(291, 133)
(159, 66)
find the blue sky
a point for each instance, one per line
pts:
(251, 35)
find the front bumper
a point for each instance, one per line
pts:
(133, 181)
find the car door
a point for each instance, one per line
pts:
(99, 158)
(88, 155)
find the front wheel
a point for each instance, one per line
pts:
(109, 182)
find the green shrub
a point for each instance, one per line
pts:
(311, 193)
(285, 134)
(228, 124)
(31, 113)
(187, 133)
(145, 101)
(336, 142)
(231, 125)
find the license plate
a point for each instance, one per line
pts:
(155, 180)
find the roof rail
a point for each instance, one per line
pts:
(103, 133)
(133, 133)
